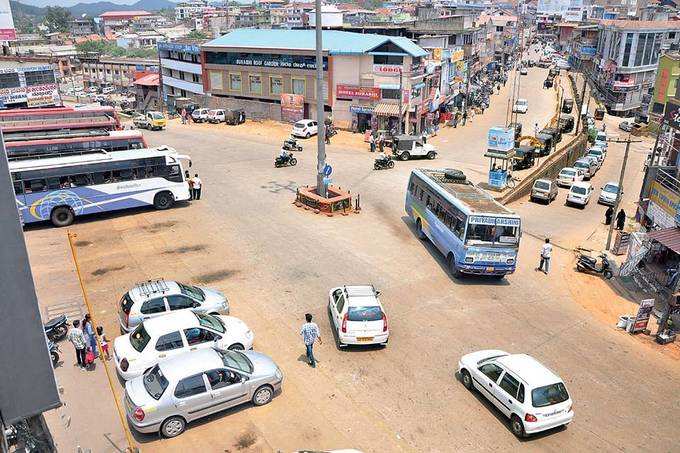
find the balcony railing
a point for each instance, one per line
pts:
(668, 180)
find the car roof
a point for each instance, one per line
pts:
(361, 295)
(530, 370)
(568, 168)
(611, 183)
(153, 288)
(190, 363)
(549, 181)
(585, 185)
(159, 325)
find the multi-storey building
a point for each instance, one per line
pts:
(113, 21)
(190, 10)
(116, 72)
(667, 77)
(181, 71)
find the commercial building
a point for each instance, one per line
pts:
(181, 72)
(116, 72)
(28, 85)
(271, 73)
(626, 61)
(120, 20)
(664, 87)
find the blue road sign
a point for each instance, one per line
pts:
(327, 170)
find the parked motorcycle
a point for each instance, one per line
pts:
(589, 265)
(383, 163)
(54, 352)
(291, 144)
(282, 161)
(56, 328)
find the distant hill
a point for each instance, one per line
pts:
(91, 9)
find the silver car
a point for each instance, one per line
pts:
(196, 384)
(544, 189)
(159, 297)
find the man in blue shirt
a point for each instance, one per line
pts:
(310, 333)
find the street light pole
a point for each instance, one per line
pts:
(321, 187)
(401, 96)
(467, 90)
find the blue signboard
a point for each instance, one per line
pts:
(589, 50)
(327, 170)
(501, 139)
(178, 47)
(361, 109)
(498, 178)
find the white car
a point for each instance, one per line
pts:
(601, 140)
(586, 166)
(594, 160)
(609, 193)
(108, 90)
(217, 116)
(305, 128)
(579, 194)
(598, 152)
(531, 395)
(358, 316)
(200, 115)
(166, 336)
(568, 176)
(523, 71)
(520, 106)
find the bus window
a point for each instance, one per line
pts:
(35, 185)
(80, 180)
(101, 177)
(53, 183)
(18, 188)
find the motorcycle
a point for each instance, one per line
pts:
(380, 164)
(54, 352)
(331, 131)
(56, 328)
(282, 161)
(589, 265)
(290, 144)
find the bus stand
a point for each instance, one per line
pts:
(500, 167)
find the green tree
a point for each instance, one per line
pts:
(197, 35)
(57, 19)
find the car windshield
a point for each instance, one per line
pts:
(595, 152)
(157, 116)
(139, 338)
(235, 359)
(582, 165)
(611, 188)
(211, 322)
(371, 313)
(192, 291)
(521, 102)
(155, 383)
(568, 173)
(549, 395)
(544, 185)
(578, 190)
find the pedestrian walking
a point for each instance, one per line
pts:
(371, 142)
(465, 115)
(196, 185)
(310, 333)
(184, 116)
(546, 253)
(620, 219)
(104, 342)
(77, 339)
(88, 331)
(327, 135)
(381, 142)
(608, 214)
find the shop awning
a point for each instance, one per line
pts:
(668, 237)
(389, 109)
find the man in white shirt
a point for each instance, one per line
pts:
(546, 253)
(196, 187)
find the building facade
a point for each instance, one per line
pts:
(181, 73)
(116, 72)
(665, 85)
(28, 85)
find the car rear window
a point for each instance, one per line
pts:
(139, 338)
(373, 313)
(300, 125)
(578, 190)
(549, 395)
(542, 185)
(155, 383)
(126, 303)
(567, 173)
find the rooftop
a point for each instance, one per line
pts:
(149, 80)
(117, 14)
(641, 24)
(334, 42)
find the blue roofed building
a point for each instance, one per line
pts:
(271, 74)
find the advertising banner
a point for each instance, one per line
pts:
(501, 139)
(292, 107)
(386, 69)
(457, 55)
(672, 115)
(643, 315)
(7, 31)
(665, 198)
(355, 92)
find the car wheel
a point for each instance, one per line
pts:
(467, 380)
(236, 347)
(307, 135)
(517, 426)
(263, 395)
(163, 200)
(431, 155)
(62, 216)
(405, 155)
(173, 427)
(419, 229)
(451, 261)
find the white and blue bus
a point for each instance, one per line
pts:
(60, 188)
(475, 233)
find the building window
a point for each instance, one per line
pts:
(196, 78)
(235, 82)
(34, 78)
(299, 86)
(216, 80)
(388, 59)
(275, 85)
(627, 49)
(255, 84)
(390, 93)
(9, 80)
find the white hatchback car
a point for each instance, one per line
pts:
(598, 152)
(609, 193)
(520, 106)
(358, 316)
(579, 194)
(568, 176)
(532, 396)
(586, 166)
(167, 336)
(217, 116)
(305, 128)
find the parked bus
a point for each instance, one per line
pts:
(60, 188)
(74, 144)
(475, 233)
(26, 124)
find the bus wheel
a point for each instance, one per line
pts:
(163, 200)
(419, 229)
(62, 216)
(451, 261)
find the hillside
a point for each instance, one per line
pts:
(21, 10)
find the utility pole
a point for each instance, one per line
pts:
(583, 97)
(467, 89)
(401, 100)
(620, 192)
(321, 187)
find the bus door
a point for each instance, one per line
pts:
(19, 194)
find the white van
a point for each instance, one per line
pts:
(579, 194)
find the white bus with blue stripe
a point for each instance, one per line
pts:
(475, 233)
(59, 189)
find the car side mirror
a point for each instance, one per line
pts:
(196, 304)
(377, 293)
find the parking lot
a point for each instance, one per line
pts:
(276, 262)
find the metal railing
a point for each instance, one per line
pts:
(668, 180)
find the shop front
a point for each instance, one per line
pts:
(362, 117)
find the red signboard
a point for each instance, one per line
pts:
(354, 92)
(664, 80)
(8, 34)
(292, 107)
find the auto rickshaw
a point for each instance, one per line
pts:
(566, 123)
(546, 143)
(518, 131)
(553, 72)
(567, 105)
(235, 117)
(555, 132)
(599, 113)
(525, 156)
(548, 83)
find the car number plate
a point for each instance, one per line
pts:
(489, 269)
(364, 339)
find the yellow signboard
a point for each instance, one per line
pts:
(437, 54)
(457, 55)
(665, 198)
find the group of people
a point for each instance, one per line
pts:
(378, 142)
(620, 218)
(186, 116)
(195, 185)
(84, 339)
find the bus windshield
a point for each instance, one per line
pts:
(492, 234)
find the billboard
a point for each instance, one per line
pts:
(355, 92)
(7, 31)
(672, 115)
(292, 107)
(16, 91)
(501, 139)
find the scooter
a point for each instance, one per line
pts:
(56, 328)
(381, 164)
(589, 265)
(288, 159)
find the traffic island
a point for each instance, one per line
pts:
(338, 201)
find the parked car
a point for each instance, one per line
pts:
(594, 160)
(601, 140)
(567, 105)
(216, 116)
(154, 121)
(305, 128)
(200, 115)
(357, 315)
(523, 70)
(568, 176)
(162, 337)
(609, 193)
(235, 117)
(405, 147)
(587, 167)
(579, 194)
(520, 106)
(543, 189)
(626, 126)
(597, 152)
(195, 384)
(153, 298)
(108, 90)
(531, 395)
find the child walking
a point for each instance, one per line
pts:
(104, 342)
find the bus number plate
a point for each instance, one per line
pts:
(489, 269)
